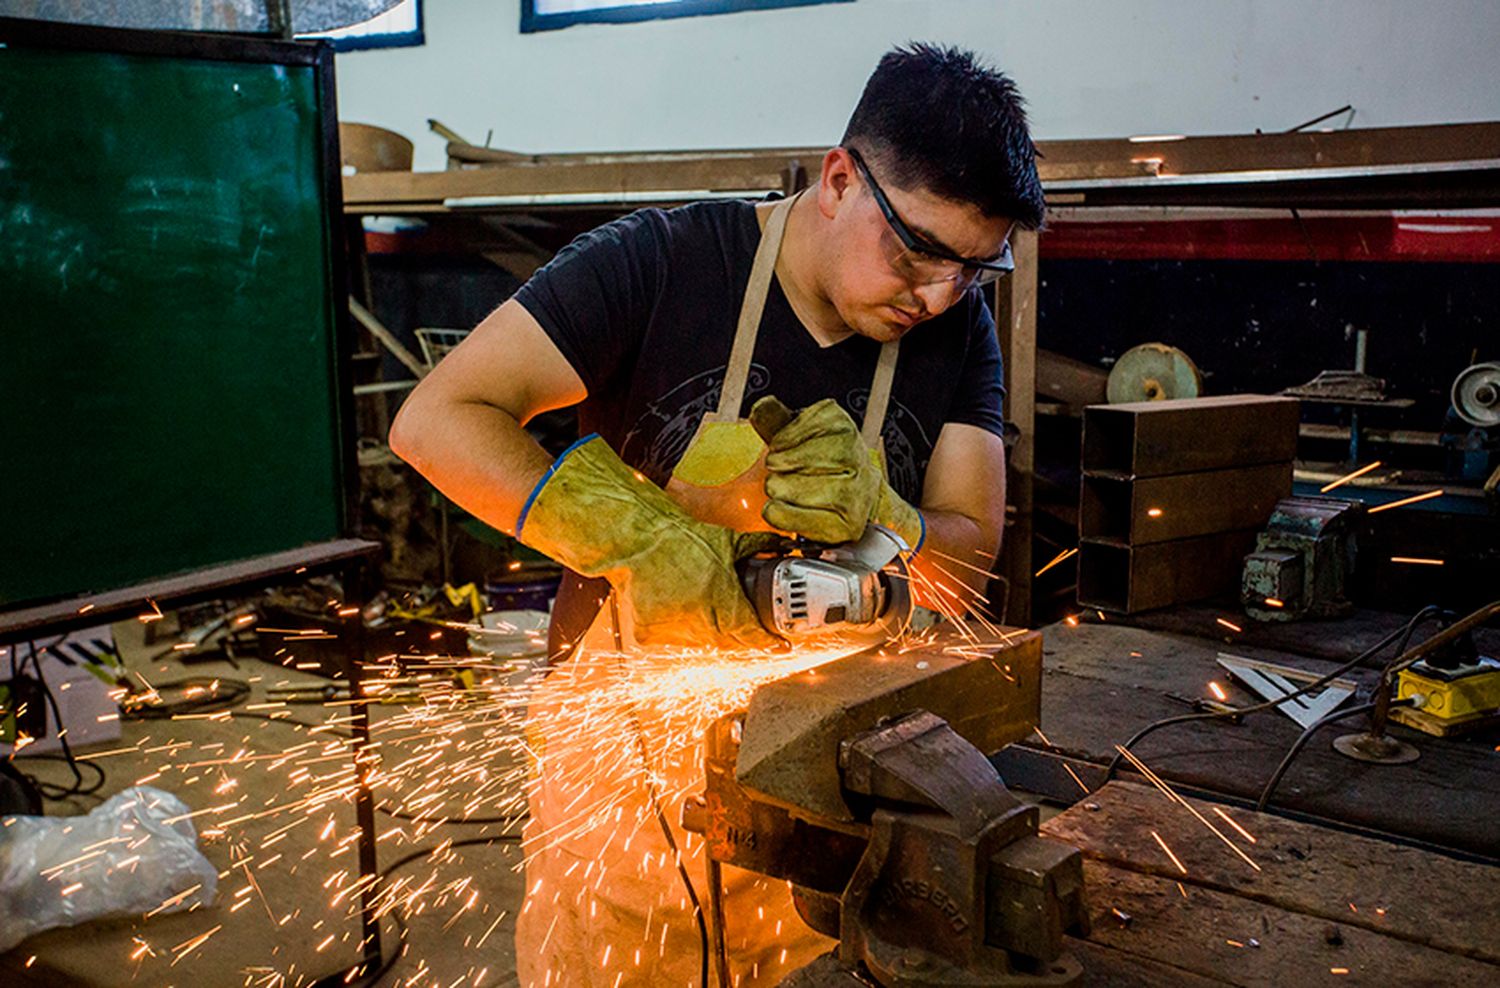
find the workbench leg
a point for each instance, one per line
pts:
(364, 762)
(1015, 306)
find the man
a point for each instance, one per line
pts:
(652, 322)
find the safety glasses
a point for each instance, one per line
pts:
(922, 262)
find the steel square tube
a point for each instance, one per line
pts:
(1123, 578)
(1163, 509)
(1156, 438)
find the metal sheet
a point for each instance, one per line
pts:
(1273, 682)
(1157, 438)
(1163, 509)
(990, 695)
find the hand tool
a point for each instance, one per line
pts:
(804, 589)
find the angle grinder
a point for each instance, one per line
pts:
(803, 590)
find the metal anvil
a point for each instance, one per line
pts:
(864, 783)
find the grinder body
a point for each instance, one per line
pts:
(803, 590)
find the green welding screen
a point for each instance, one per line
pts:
(168, 366)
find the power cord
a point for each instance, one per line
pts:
(50, 790)
(219, 694)
(1403, 633)
(1304, 737)
(350, 977)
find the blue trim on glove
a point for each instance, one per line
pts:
(923, 538)
(531, 498)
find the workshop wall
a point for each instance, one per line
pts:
(1090, 68)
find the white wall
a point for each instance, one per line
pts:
(1089, 68)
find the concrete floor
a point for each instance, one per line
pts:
(281, 929)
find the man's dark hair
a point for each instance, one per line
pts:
(936, 117)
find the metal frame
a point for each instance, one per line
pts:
(350, 556)
(531, 21)
(389, 39)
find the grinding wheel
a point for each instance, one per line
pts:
(1476, 395)
(1153, 372)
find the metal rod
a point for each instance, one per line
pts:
(364, 799)
(1317, 120)
(718, 954)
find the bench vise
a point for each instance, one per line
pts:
(864, 784)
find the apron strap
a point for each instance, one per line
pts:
(762, 270)
(880, 394)
(737, 372)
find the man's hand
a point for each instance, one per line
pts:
(675, 575)
(823, 483)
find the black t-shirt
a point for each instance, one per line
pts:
(645, 308)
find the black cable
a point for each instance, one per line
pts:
(1406, 630)
(58, 793)
(1304, 737)
(49, 790)
(343, 978)
(221, 694)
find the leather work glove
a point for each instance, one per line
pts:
(822, 481)
(595, 514)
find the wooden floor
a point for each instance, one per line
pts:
(1324, 907)
(1104, 681)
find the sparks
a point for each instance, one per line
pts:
(1173, 795)
(1060, 557)
(1416, 561)
(1405, 501)
(1229, 624)
(1231, 821)
(1168, 850)
(1348, 477)
(1217, 691)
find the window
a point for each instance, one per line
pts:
(545, 15)
(399, 27)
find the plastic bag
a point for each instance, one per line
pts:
(131, 855)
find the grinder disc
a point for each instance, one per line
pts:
(1476, 395)
(1153, 372)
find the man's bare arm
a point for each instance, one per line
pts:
(963, 504)
(461, 428)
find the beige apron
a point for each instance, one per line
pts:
(605, 905)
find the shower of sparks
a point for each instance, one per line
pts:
(1405, 501)
(1173, 795)
(465, 740)
(1060, 557)
(1348, 477)
(458, 739)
